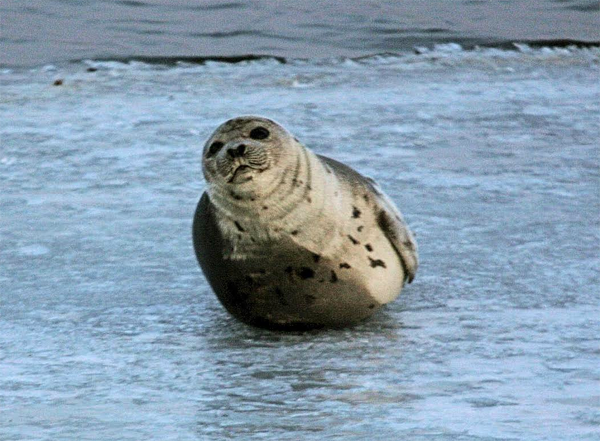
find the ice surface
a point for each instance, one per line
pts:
(108, 329)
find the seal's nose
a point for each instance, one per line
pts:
(237, 152)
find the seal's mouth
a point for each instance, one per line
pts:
(242, 173)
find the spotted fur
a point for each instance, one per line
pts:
(271, 238)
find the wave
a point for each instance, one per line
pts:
(200, 60)
(458, 46)
(445, 53)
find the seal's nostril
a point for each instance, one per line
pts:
(237, 152)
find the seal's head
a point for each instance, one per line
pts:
(246, 153)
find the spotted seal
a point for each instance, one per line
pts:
(293, 240)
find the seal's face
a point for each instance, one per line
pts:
(245, 152)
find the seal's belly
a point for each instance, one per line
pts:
(289, 286)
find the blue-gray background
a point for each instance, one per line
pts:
(43, 31)
(108, 330)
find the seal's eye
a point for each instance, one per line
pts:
(214, 148)
(259, 133)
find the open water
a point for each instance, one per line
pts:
(108, 330)
(47, 31)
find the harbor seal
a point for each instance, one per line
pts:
(293, 240)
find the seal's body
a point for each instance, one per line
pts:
(292, 240)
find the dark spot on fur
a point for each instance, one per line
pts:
(239, 236)
(262, 271)
(289, 270)
(58, 82)
(253, 240)
(310, 299)
(372, 305)
(306, 273)
(408, 244)
(359, 229)
(252, 199)
(355, 213)
(366, 197)
(294, 233)
(321, 280)
(235, 196)
(238, 226)
(92, 69)
(369, 247)
(345, 265)
(308, 187)
(316, 257)
(265, 207)
(308, 199)
(353, 240)
(281, 297)
(383, 221)
(334, 277)
(377, 262)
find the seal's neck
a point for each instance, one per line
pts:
(281, 206)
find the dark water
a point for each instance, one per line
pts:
(48, 31)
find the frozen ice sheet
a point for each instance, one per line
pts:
(109, 331)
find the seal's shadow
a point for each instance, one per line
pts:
(225, 331)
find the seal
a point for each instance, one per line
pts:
(292, 240)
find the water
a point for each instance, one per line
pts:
(108, 329)
(48, 31)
